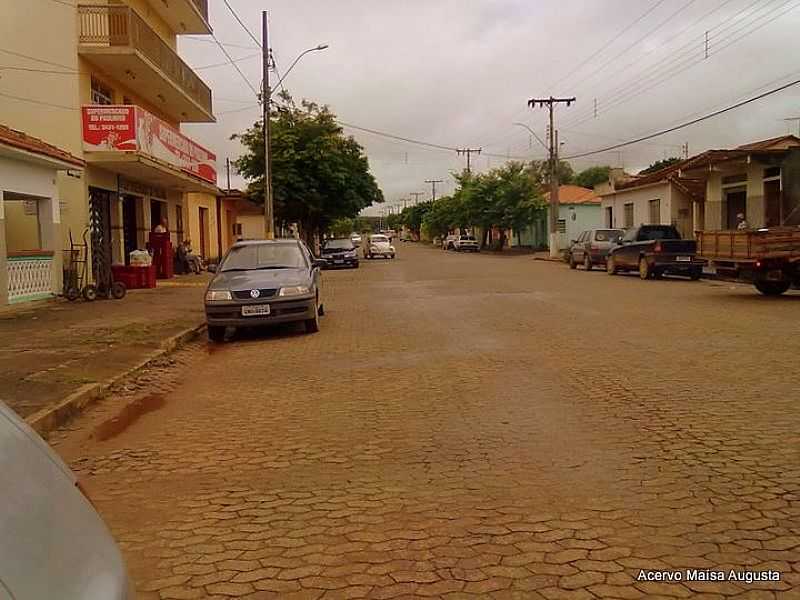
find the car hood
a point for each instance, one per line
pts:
(263, 279)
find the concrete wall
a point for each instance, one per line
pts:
(640, 197)
(194, 202)
(577, 218)
(252, 226)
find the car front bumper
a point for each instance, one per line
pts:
(281, 311)
(343, 262)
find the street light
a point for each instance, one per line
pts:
(318, 48)
(533, 133)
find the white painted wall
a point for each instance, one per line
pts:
(640, 197)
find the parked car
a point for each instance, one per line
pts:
(53, 544)
(378, 245)
(448, 241)
(265, 282)
(340, 253)
(655, 250)
(592, 247)
(356, 239)
(466, 243)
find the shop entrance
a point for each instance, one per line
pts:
(100, 232)
(204, 233)
(129, 226)
(158, 211)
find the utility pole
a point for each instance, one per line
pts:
(416, 196)
(554, 202)
(228, 171)
(433, 183)
(469, 152)
(266, 98)
(685, 149)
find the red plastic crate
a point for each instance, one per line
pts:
(135, 277)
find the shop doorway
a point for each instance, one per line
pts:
(158, 211)
(129, 228)
(100, 235)
(203, 233)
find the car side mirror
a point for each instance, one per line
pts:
(212, 268)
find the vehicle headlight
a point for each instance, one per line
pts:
(218, 295)
(391, 248)
(294, 290)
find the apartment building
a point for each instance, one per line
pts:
(103, 82)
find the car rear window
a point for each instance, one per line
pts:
(468, 238)
(659, 233)
(607, 235)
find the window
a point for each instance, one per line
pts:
(734, 179)
(609, 216)
(101, 93)
(629, 215)
(562, 226)
(655, 212)
(237, 229)
(771, 172)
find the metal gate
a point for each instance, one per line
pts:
(100, 232)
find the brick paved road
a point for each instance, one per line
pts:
(467, 426)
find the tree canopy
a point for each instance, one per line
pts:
(591, 176)
(660, 164)
(319, 175)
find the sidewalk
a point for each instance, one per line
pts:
(54, 349)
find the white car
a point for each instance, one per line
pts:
(356, 239)
(53, 544)
(378, 245)
(465, 243)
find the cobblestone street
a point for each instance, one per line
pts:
(465, 426)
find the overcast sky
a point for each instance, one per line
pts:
(459, 73)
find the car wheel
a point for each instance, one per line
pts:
(312, 325)
(645, 272)
(696, 274)
(611, 266)
(321, 310)
(772, 288)
(587, 263)
(572, 263)
(658, 274)
(216, 333)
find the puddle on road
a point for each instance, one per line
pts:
(127, 417)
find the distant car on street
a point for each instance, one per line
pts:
(340, 253)
(356, 239)
(53, 542)
(592, 247)
(265, 282)
(655, 250)
(378, 245)
(465, 243)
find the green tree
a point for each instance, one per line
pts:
(319, 175)
(541, 169)
(590, 177)
(660, 164)
(412, 216)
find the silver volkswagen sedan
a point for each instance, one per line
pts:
(53, 544)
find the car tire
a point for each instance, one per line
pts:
(216, 333)
(645, 272)
(572, 263)
(321, 310)
(587, 263)
(611, 266)
(772, 288)
(696, 274)
(312, 325)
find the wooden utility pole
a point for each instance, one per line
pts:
(469, 152)
(416, 196)
(266, 99)
(554, 202)
(228, 172)
(433, 183)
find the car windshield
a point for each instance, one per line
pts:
(379, 238)
(264, 256)
(338, 245)
(659, 233)
(607, 235)
(468, 238)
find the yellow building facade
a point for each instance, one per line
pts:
(103, 81)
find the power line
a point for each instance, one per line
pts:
(227, 44)
(39, 102)
(688, 123)
(596, 53)
(235, 66)
(226, 63)
(33, 58)
(29, 70)
(235, 16)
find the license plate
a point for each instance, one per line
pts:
(255, 310)
(338, 262)
(683, 258)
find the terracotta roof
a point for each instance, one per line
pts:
(575, 194)
(776, 143)
(22, 141)
(654, 177)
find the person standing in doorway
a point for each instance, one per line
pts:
(741, 222)
(162, 226)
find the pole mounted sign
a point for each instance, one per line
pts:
(123, 128)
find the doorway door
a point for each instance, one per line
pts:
(203, 233)
(129, 237)
(100, 236)
(157, 212)
(736, 202)
(772, 203)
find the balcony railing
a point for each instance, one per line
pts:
(120, 26)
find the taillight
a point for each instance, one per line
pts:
(657, 247)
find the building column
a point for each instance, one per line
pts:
(755, 195)
(713, 212)
(3, 265)
(117, 237)
(50, 227)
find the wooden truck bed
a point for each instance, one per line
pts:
(749, 245)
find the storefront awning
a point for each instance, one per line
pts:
(147, 170)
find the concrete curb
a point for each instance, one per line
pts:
(52, 417)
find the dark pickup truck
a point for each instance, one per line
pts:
(655, 250)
